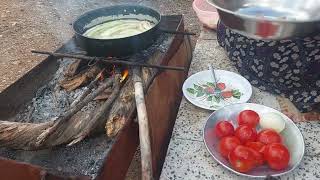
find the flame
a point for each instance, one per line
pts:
(124, 75)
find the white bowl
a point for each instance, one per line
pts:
(206, 13)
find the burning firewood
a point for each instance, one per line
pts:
(61, 123)
(89, 88)
(123, 108)
(113, 126)
(74, 68)
(104, 95)
(120, 111)
(80, 79)
(96, 119)
(74, 125)
(64, 129)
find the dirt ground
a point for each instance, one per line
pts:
(26, 25)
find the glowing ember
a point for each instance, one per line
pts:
(124, 75)
(100, 76)
(112, 71)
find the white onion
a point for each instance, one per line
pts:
(272, 121)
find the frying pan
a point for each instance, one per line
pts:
(121, 46)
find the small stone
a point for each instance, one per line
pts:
(15, 62)
(14, 23)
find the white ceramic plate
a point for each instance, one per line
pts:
(232, 88)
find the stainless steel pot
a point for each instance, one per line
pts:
(270, 19)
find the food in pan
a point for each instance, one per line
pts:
(119, 29)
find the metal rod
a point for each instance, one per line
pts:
(144, 134)
(213, 74)
(109, 61)
(178, 32)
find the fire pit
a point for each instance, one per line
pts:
(87, 99)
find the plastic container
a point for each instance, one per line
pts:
(206, 13)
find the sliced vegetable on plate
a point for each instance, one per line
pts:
(201, 90)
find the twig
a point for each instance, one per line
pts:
(43, 136)
(110, 61)
(101, 113)
(144, 135)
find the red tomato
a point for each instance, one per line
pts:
(263, 150)
(248, 117)
(226, 94)
(209, 90)
(258, 146)
(221, 86)
(223, 129)
(277, 156)
(242, 159)
(268, 136)
(227, 144)
(258, 157)
(246, 133)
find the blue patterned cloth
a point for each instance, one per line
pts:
(290, 68)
